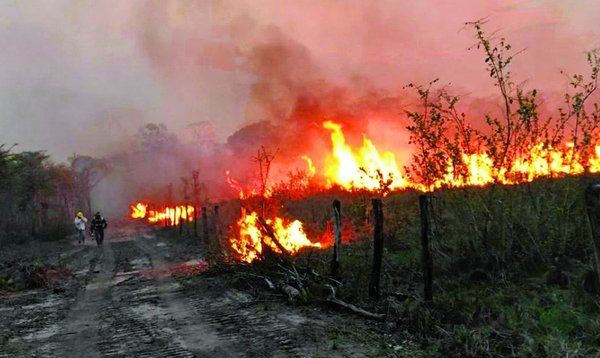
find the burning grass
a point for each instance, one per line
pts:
(170, 215)
(281, 237)
(510, 268)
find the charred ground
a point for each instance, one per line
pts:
(148, 294)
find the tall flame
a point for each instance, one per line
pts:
(363, 168)
(367, 168)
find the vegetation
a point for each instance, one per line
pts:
(513, 265)
(442, 134)
(38, 198)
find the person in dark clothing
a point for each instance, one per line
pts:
(97, 228)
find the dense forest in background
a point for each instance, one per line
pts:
(38, 198)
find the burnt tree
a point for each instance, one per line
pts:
(264, 159)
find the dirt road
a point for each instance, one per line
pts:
(124, 301)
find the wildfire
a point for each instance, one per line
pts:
(168, 215)
(364, 168)
(310, 166)
(253, 236)
(246, 193)
(367, 168)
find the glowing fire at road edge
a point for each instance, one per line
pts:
(249, 244)
(170, 215)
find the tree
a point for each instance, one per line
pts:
(520, 126)
(442, 136)
(264, 158)
(155, 137)
(89, 172)
(33, 181)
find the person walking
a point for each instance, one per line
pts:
(97, 228)
(79, 222)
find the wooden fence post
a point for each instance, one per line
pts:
(195, 221)
(217, 228)
(424, 203)
(337, 231)
(592, 201)
(374, 291)
(205, 226)
(181, 222)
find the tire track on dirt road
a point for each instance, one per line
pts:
(145, 316)
(79, 335)
(224, 322)
(192, 330)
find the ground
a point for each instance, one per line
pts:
(142, 295)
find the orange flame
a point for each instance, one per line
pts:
(367, 168)
(249, 244)
(138, 211)
(251, 191)
(362, 168)
(310, 167)
(169, 215)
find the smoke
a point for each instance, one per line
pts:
(226, 77)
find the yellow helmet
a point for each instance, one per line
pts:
(79, 214)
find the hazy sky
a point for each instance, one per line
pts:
(81, 76)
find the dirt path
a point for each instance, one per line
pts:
(79, 334)
(130, 305)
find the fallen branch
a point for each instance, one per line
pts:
(270, 233)
(268, 281)
(351, 307)
(269, 284)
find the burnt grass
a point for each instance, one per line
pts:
(513, 266)
(36, 264)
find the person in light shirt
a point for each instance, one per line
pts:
(79, 222)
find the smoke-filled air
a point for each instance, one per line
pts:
(428, 167)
